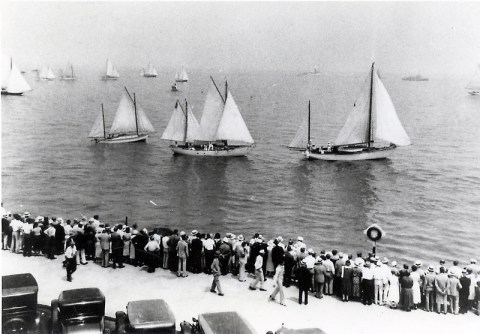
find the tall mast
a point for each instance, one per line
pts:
(226, 89)
(135, 106)
(103, 118)
(186, 122)
(308, 139)
(370, 109)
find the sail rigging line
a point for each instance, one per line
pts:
(129, 94)
(218, 90)
(370, 139)
(135, 107)
(226, 89)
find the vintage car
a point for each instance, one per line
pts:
(146, 316)
(78, 311)
(218, 323)
(20, 311)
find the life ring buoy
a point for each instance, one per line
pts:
(374, 232)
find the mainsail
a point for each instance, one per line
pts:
(47, 73)
(179, 123)
(151, 71)
(474, 83)
(232, 127)
(211, 115)
(16, 83)
(68, 72)
(373, 117)
(127, 118)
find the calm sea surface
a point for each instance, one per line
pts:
(426, 197)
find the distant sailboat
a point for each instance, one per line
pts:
(174, 87)
(130, 124)
(15, 82)
(47, 74)
(181, 76)
(111, 72)
(473, 86)
(371, 131)
(149, 72)
(68, 73)
(222, 131)
(417, 77)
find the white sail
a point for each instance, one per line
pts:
(175, 130)
(111, 70)
(387, 126)
(355, 129)
(154, 72)
(68, 72)
(50, 74)
(211, 116)
(474, 83)
(232, 127)
(43, 73)
(16, 82)
(181, 75)
(125, 122)
(383, 121)
(301, 136)
(98, 128)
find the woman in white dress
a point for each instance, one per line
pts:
(394, 290)
(417, 295)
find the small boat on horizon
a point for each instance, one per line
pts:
(130, 124)
(181, 76)
(222, 132)
(47, 74)
(149, 72)
(111, 72)
(68, 73)
(473, 86)
(417, 77)
(372, 129)
(15, 83)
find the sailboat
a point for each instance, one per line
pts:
(130, 124)
(181, 76)
(47, 74)
(182, 126)
(68, 73)
(222, 131)
(473, 86)
(371, 131)
(149, 72)
(111, 72)
(15, 83)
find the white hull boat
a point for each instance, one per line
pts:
(372, 130)
(225, 152)
(111, 72)
(13, 82)
(130, 124)
(473, 87)
(221, 132)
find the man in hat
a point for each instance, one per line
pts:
(277, 253)
(172, 250)
(473, 265)
(50, 234)
(367, 284)
(182, 253)
(299, 244)
(304, 281)
(441, 282)
(196, 246)
(329, 275)
(5, 231)
(319, 277)
(16, 226)
(464, 292)
(117, 248)
(27, 228)
(105, 246)
(429, 288)
(209, 246)
(289, 264)
(453, 289)
(259, 278)
(225, 253)
(215, 269)
(455, 269)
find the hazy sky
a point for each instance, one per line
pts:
(402, 37)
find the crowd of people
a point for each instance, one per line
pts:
(367, 279)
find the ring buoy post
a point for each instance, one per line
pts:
(374, 233)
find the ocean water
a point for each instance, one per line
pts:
(426, 197)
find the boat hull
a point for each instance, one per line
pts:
(356, 155)
(123, 139)
(233, 152)
(4, 92)
(109, 78)
(181, 80)
(149, 75)
(474, 92)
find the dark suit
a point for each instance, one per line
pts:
(117, 249)
(304, 279)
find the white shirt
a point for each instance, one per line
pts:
(165, 241)
(310, 261)
(70, 252)
(208, 244)
(27, 228)
(259, 262)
